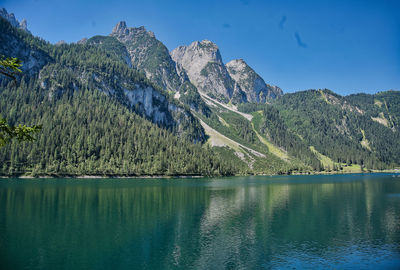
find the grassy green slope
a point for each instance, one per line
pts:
(240, 129)
(343, 128)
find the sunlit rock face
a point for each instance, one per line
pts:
(251, 83)
(150, 56)
(203, 64)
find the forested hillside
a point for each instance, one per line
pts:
(89, 133)
(108, 107)
(99, 116)
(358, 129)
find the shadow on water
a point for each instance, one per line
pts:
(233, 223)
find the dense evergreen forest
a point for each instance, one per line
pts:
(89, 126)
(358, 129)
(100, 115)
(342, 130)
(88, 133)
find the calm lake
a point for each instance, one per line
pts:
(294, 222)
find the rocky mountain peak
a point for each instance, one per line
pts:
(23, 25)
(148, 55)
(10, 17)
(207, 44)
(122, 31)
(237, 64)
(201, 52)
(203, 64)
(251, 83)
(207, 49)
(120, 28)
(239, 61)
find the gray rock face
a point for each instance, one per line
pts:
(140, 97)
(132, 91)
(120, 29)
(251, 83)
(203, 65)
(33, 59)
(155, 106)
(148, 55)
(13, 21)
(24, 25)
(9, 17)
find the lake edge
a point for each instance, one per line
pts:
(86, 176)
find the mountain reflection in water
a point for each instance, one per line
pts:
(235, 223)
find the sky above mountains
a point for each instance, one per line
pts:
(346, 46)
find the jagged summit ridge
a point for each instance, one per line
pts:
(360, 130)
(120, 28)
(203, 64)
(199, 64)
(251, 83)
(10, 17)
(201, 52)
(149, 55)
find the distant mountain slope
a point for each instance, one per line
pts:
(234, 82)
(345, 129)
(383, 107)
(203, 64)
(99, 116)
(251, 83)
(149, 56)
(10, 17)
(12, 43)
(123, 105)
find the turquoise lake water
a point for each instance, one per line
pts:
(280, 222)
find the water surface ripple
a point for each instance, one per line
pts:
(283, 222)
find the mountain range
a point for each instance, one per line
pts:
(123, 104)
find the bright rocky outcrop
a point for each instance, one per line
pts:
(203, 64)
(251, 83)
(234, 82)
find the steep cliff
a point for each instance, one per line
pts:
(251, 83)
(203, 64)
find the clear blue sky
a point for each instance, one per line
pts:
(346, 46)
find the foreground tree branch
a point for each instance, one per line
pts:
(9, 67)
